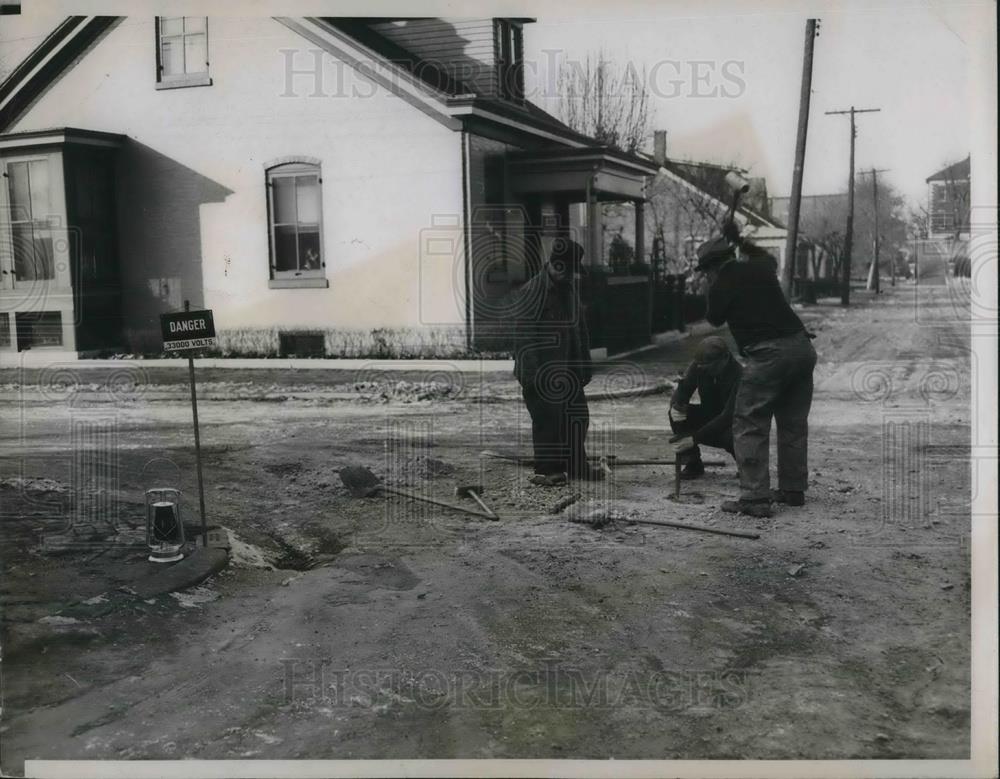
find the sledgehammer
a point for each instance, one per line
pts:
(472, 491)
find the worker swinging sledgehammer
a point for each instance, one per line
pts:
(777, 378)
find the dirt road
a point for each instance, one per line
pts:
(385, 630)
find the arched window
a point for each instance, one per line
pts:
(295, 213)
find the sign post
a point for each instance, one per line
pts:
(185, 333)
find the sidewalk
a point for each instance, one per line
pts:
(44, 359)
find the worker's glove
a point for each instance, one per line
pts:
(682, 444)
(677, 414)
(731, 231)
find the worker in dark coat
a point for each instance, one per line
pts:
(552, 363)
(777, 380)
(715, 374)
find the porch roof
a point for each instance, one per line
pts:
(604, 173)
(60, 136)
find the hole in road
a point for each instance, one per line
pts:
(328, 546)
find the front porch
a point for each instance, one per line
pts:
(561, 192)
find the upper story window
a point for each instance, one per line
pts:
(510, 60)
(295, 222)
(182, 51)
(29, 194)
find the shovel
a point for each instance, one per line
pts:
(362, 483)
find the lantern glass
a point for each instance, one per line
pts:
(164, 527)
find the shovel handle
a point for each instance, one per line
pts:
(700, 528)
(475, 496)
(433, 501)
(654, 461)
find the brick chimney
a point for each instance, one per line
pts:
(660, 146)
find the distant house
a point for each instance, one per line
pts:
(948, 200)
(822, 222)
(687, 201)
(324, 185)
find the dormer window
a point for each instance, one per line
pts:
(181, 51)
(510, 60)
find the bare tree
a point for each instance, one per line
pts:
(606, 101)
(919, 220)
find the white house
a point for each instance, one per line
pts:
(324, 185)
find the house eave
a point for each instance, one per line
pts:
(60, 136)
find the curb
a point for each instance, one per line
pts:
(200, 564)
(637, 392)
(203, 562)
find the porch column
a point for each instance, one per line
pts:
(595, 243)
(640, 256)
(640, 230)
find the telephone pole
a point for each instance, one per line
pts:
(792, 248)
(845, 290)
(873, 274)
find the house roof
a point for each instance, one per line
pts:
(957, 171)
(47, 62)
(60, 135)
(711, 179)
(426, 85)
(458, 93)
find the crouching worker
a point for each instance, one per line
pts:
(715, 373)
(552, 364)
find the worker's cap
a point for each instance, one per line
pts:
(711, 351)
(567, 255)
(713, 251)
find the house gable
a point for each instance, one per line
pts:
(191, 179)
(56, 54)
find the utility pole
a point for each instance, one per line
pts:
(845, 290)
(873, 274)
(792, 248)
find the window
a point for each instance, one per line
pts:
(39, 328)
(294, 214)
(510, 60)
(4, 329)
(29, 192)
(182, 51)
(302, 345)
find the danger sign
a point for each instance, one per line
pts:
(187, 330)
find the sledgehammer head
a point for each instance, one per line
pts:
(736, 183)
(466, 490)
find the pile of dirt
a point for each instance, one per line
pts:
(404, 391)
(421, 468)
(31, 484)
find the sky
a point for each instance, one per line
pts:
(910, 58)
(909, 61)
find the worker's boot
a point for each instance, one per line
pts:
(789, 497)
(693, 470)
(587, 472)
(548, 479)
(760, 507)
